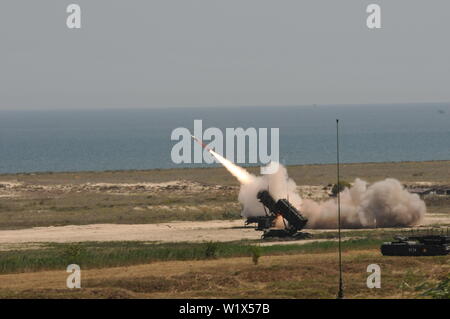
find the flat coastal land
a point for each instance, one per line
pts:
(178, 233)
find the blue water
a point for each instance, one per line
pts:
(94, 140)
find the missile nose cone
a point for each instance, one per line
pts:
(201, 143)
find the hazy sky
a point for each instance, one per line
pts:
(222, 52)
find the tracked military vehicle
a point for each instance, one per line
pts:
(426, 245)
(293, 220)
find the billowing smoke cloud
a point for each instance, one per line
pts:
(383, 204)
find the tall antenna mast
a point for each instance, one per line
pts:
(340, 294)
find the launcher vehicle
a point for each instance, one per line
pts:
(292, 219)
(427, 245)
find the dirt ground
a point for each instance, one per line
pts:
(102, 205)
(218, 230)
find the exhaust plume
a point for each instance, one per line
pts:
(241, 174)
(383, 204)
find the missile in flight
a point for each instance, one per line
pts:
(201, 143)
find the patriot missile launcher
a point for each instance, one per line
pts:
(293, 220)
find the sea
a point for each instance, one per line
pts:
(137, 139)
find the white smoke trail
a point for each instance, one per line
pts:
(383, 204)
(241, 174)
